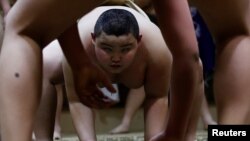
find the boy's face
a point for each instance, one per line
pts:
(115, 53)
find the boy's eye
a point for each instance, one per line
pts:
(127, 49)
(107, 49)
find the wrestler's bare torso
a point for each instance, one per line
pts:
(44, 20)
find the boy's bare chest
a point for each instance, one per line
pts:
(132, 78)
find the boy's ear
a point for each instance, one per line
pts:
(139, 38)
(93, 36)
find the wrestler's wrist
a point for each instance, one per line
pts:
(79, 65)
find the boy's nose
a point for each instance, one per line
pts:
(116, 58)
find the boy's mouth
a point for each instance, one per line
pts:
(115, 65)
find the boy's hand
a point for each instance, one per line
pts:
(163, 137)
(86, 80)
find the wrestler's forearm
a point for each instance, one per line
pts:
(72, 48)
(180, 38)
(185, 83)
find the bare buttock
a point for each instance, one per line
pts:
(225, 18)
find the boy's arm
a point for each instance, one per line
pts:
(85, 74)
(180, 37)
(157, 83)
(92, 101)
(82, 116)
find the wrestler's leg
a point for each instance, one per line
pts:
(45, 118)
(20, 85)
(1, 31)
(57, 128)
(194, 118)
(1, 41)
(231, 81)
(206, 116)
(52, 75)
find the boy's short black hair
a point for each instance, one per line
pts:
(117, 22)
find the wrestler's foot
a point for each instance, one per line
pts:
(206, 123)
(33, 136)
(57, 136)
(120, 129)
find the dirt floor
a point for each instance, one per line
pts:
(201, 136)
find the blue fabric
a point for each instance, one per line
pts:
(205, 42)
